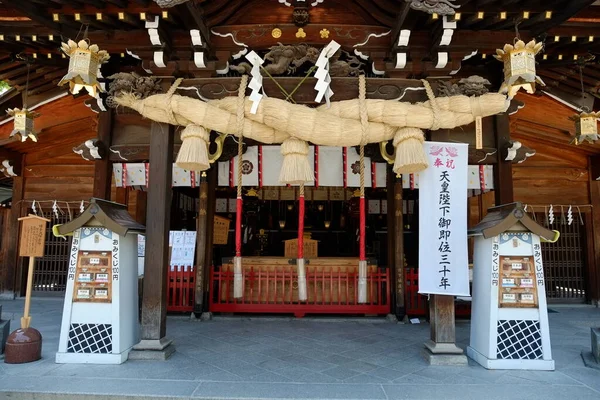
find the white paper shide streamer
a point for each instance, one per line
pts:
(256, 83)
(323, 85)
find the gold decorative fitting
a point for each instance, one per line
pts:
(23, 123)
(84, 64)
(276, 33)
(586, 127)
(252, 193)
(324, 33)
(300, 34)
(519, 67)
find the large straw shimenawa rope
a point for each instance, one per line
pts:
(339, 125)
(364, 123)
(238, 275)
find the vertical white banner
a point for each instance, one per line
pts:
(443, 259)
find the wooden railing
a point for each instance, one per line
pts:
(330, 291)
(180, 289)
(416, 304)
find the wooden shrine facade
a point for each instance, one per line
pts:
(205, 42)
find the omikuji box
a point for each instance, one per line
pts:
(509, 317)
(100, 315)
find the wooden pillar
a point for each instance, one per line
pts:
(399, 246)
(441, 313)
(593, 232)
(201, 244)
(11, 258)
(212, 178)
(103, 167)
(503, 181)
(441, 349)
(154, 302)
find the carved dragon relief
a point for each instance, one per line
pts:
(441, 7)
(287, 59)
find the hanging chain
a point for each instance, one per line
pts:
(26, 87)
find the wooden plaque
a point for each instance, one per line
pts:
(33, 236)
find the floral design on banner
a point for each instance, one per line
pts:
(356, 168)
(247, 167)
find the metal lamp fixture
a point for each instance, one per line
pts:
(23, 118)
(23, 123)
(519, 67)
(281, 223)
(84, 64)
(586, 127)
(586, 123)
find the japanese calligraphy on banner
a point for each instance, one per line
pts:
(443, 260)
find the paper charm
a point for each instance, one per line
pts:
(562, 216)
(256, 83)
(81, 207)
(69, 212)
(323, 79)
(33, 208)
(551, 215)
(570, 215)
(55, 209)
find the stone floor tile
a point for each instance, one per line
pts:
(341, 373)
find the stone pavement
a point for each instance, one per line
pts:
(311, 358)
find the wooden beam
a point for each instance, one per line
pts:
(201, 246)
(196, 12)
(593, 277)
(212, 178)
(37, 14)
(503, 181)
(154, 303)
(103, 167)
(398, 234)
(569, 8)
(10, 243)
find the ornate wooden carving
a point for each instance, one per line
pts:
(141, 86)
(471, 86)
(441, 7)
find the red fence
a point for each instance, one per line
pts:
(416, 304)
(180, 289)
(332, 291)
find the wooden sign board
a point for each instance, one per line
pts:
(33, 236)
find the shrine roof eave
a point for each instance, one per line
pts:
(111, 215)
(502, 218)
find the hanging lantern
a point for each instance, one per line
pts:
(23, 123)
(281, 224)
(327, 224)
(519, 67)
(586, 127)
(84, 64)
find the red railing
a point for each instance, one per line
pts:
(330, 291)
(180, 289)
(416, 304)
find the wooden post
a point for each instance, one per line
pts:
(441, 314)
(503, 180)
(103, 167)
(212, 178)
(10, 259)
(31, 244)
(201, 225)
(593, 246)
(399, 247)
(441, 349)
(154, 301)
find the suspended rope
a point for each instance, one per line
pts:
(364, 122)
(238, 289)
(302, 292)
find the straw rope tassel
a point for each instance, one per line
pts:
(364, 121)
(238, 276)
(302, 292)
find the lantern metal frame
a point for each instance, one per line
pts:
(519, 67)
(84, 64)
